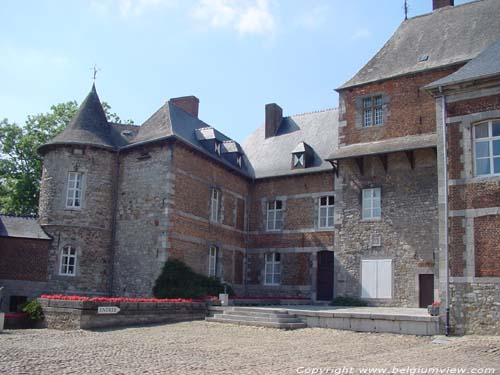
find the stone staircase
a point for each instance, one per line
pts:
(272, 318)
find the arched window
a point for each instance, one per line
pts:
(68, 261)
(487, 148)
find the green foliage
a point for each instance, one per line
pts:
(177, 280)
(33, 309)
(20, 165)
(348, 301)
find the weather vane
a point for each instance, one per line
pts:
(406, 9)
(95, 70)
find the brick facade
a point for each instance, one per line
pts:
(23, 259)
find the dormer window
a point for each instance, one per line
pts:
(217, 147)
(298, 160)
(238, 160)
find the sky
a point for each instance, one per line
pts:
(234, 55)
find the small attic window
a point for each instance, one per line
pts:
(127, 133)
(217, 146)
(298, 160)
(238, 160)
(78, 151)
(423, 57)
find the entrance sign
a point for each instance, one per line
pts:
(108, 310)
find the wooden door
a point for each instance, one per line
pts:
(426, 289)
(324, 279)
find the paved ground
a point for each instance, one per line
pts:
(213, 348)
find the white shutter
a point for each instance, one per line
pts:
(368, 279)
(384, 278)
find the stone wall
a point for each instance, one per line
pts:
(407, 227)
(70, 315)
(142, 219)
(475, 306)
(88, 228)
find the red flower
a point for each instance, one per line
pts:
(436, 304)
(116, 299)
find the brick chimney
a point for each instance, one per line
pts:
(190, 104)
(436, 4)
(274, 115)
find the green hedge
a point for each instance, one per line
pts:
(177, 280)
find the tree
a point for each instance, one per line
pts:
(20, 164)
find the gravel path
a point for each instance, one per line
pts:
(212, 348)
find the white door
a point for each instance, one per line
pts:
(376, 278)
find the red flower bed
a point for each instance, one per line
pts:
(115, 299)
(267, 297)
(16, 316)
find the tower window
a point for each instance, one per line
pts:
(68, 261)
(74, 194)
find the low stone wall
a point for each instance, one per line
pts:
(475, 308)
(267, 301)
(66, 315)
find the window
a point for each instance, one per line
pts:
(274, 215)
(487, 148)
(217, 147)
(373, 112)
(214, 207)
(371, 203)
(273, 269)
(75, 190)
(238, 160)
(298, 160)
(68, 261)
(326, 206)
(212, 261)
(376, 278)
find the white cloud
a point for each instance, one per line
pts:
(127, 8)
(243, 16)
(361, 33)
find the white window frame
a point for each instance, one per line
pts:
(372, 111)
(68, 254)
(299, 160)
(381, 287)
(371, 202)
(217, 147)
(326, 210)
(238, 160)
(272, 269)
(74, 192)
(213, 253)
(215, 205)
(490, 139)
(274, 218)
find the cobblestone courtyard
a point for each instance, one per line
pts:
(212, 348)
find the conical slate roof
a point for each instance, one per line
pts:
(88, 127)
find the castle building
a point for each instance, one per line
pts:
(392, 198)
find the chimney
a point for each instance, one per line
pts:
(190, 104)
(274, 115)
(436, 4)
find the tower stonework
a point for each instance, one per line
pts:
(80, 223)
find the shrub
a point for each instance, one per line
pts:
(33, 309)
(177, 280)
(348, 301)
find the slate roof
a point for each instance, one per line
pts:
(273, 156)
(88, 127)
(487, 64)
(413, 142)
(448, 36)
(21, 227)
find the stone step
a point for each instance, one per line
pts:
(259, 324)
(257, 310)
(259, 314)
(249, 318)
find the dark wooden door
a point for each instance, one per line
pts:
(324, 280)
(426, 287)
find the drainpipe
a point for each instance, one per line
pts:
(445, 175)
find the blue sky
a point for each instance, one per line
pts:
(234, 55)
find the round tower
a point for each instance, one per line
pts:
(77, 201)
